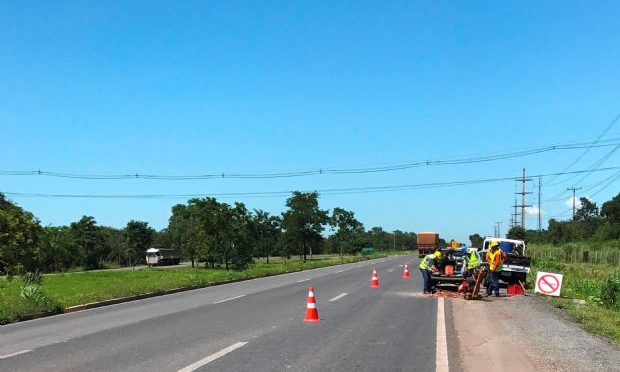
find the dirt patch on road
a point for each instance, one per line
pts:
(526, 334)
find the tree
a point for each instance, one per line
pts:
(587, 212)
(19, 235)
(241, 237)
(267, 229)
(349, 230)
(57, 249)
(138, 237)
(476, 240)
(610, 210)
(517, 233)
(303, 222)
(90, 241)
(183, 229)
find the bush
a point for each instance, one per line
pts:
(197, 281)
(35, 296)
(32, 278)
(610, 291)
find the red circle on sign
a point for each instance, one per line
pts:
(554, 287)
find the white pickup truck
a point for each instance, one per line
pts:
(517, 264)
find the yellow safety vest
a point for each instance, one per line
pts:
(425, 261)
(495, 260)
(472, 260)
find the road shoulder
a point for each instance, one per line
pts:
(526, 334)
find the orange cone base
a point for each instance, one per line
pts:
(374, 284)
(312, 316)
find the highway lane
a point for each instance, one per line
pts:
(248, 326)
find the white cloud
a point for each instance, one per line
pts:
(569, 202)
(533, 211)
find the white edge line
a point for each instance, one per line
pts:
(303, 280)
(337, 297)
(339, 271)
(228, 299)
(212, 357)
(441, 356)
(15, 354)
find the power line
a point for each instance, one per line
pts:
(333, 191)
(598, 139)
(320, 171)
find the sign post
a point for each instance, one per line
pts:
(548, 283)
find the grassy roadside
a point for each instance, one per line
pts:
(20, 299)
(590, 291)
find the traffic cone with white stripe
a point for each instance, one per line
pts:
(406, 272)
(312, 315)
(374, 281)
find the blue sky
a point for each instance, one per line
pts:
(209, 87)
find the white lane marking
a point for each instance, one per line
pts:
(212, 357)
(337, 297)
(389, 271)
(15, 354)
(228, 299)
(441, 356)
(339, 271)
(303, 280)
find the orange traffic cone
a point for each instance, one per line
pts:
(406, 272)
(374, 281)
(312, 315)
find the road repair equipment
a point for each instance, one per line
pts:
(406, 272)
(374, 280)
(514, 290)
(473, 292)
(312, 315)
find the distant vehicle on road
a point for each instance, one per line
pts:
(517, 264)
(427, 242)
(162, 256)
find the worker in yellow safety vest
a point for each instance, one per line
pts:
(495, 258)
(428, 265)
(471, 259)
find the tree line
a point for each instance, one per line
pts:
(203, 230)
(590, 223)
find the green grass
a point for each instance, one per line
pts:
(60, 291)
(583, 283)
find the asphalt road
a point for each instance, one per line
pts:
(250, 326)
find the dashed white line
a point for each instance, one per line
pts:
(228, 299)
(339, 271)
(389, 271)
(15, 354)
(212, 357)
(441, 355)
(337, 297)
(303, 280)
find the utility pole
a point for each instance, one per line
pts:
(539, 217)
(394, 241)
(573, 189)
(499, 231)
(523, 193)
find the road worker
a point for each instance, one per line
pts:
(495, 258)
(471, 261)
(428, 265)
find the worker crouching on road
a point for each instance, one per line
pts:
(495, 258)
(428, 265)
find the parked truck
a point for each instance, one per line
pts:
(517, 264)
(428, 241)
(162, 256)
